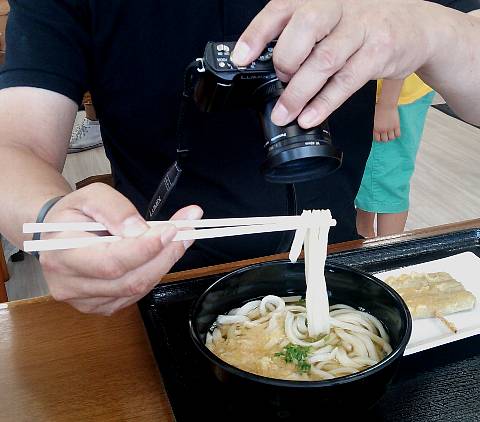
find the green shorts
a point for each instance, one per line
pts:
(385, 186)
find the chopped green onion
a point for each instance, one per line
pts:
(297, 355)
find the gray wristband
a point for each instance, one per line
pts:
(41, 216)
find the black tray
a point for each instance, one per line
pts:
(440, 384)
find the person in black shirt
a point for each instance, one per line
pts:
(132, 60)
(466, 6)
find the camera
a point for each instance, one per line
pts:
(293, 154)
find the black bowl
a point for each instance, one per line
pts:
(286, 398)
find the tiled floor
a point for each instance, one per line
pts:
(445, 187)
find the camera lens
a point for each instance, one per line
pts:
(293, 154)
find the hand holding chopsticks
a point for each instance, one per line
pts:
(202, 229)
(128, 257)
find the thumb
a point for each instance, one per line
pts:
(192, 212)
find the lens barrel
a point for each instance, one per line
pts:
(294, 154)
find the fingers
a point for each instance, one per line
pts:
(397, 132)
(353, 75)
(110, 261)
(122, 284)
(192, 212)
(105, 205)
(101, 306)
(117, 304)
(103, 271)
(327, 58)
(126, 268)
(140, 281)
(385, 136)
(266, 26)
(307, 26)
(148, 275)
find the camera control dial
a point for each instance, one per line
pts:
(217, 58)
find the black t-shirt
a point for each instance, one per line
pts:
(461, 5)
(132, 56)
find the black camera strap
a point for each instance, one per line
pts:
(171, 177)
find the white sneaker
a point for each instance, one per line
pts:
(85, 136)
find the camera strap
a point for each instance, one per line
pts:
(171, 177)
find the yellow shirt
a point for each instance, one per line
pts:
(413, 88)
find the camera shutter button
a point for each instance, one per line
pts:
(266, 55)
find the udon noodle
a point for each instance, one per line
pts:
(295, 339)
(269, 337)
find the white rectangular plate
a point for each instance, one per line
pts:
(430, 332)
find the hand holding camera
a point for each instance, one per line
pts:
(293, 154)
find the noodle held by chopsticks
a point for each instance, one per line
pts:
(315, 239)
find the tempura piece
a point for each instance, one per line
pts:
(432, 294)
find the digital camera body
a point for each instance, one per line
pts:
(293, 154)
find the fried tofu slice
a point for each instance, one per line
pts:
(431, 294)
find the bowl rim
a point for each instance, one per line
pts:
(397, 353)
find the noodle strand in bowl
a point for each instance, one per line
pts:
(277, 347)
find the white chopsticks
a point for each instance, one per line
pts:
(210, 228)
(214, 222)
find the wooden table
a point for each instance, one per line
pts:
(59, 365)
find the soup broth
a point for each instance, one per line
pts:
(269, 337)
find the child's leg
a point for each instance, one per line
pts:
(365, 226)
(392, 215)
(393, 218)
(391, 223)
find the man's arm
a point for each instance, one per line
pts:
(328, 49)
(35, 126)
(453, 69)
(387, 121)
